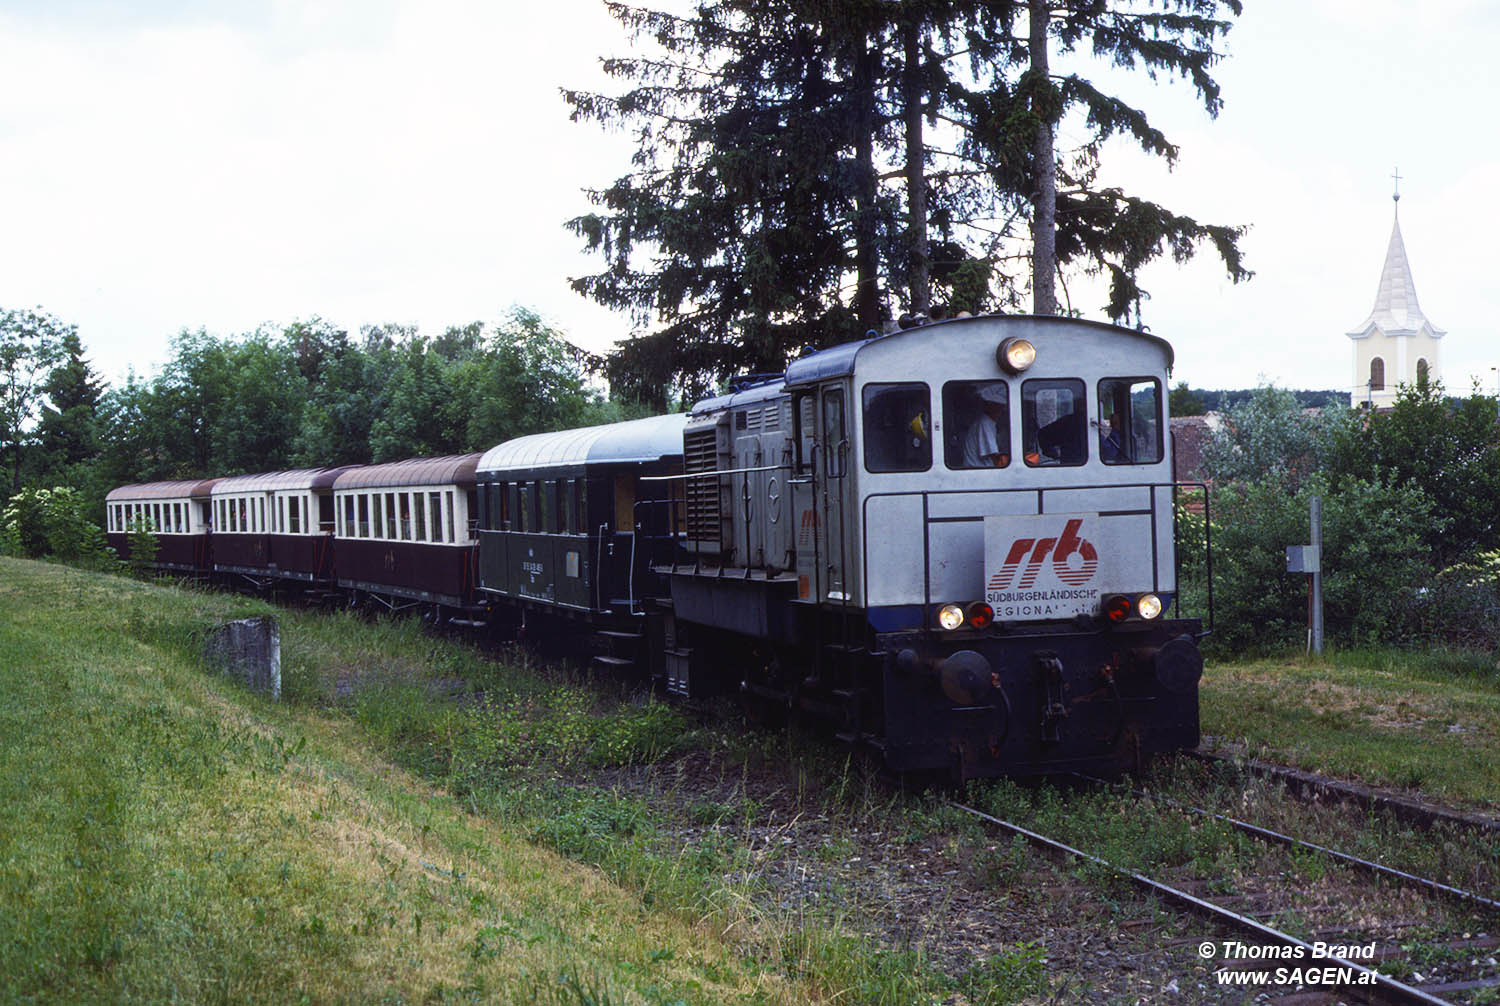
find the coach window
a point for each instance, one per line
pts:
(1129, 426)
(289, 522)
(448, 515)
(550, 516)
(523, 506)
(1054, 423)
(897, 427)
(834, 444)
(976, 424)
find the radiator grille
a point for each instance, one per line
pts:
(700, 454)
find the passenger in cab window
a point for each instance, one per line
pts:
(987, 444)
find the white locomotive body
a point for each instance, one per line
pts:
(955, 540)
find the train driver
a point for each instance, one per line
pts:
(987, 444)
(1113, 448)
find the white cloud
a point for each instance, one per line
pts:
(173, 165)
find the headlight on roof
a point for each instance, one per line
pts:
(1015, 354)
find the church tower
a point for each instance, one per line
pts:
(1396, 344)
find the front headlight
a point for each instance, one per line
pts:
(1015, 354)
(950, 617)
(1148, 606)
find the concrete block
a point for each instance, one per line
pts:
(248, 649)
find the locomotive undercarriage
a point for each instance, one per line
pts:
(1025, 700)
(1040, 701)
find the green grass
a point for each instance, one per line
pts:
(166, 835)
(416, 821)
(1427, 722)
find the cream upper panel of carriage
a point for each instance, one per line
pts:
(433, 515)
(159, 516)
(936, 406)
(420, 500)
(279, 512)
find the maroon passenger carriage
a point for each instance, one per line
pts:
(176, 512)
(405, 536)
(276, 526)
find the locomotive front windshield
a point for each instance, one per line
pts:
(1054, 424)
(1129, 421)
(976, 424)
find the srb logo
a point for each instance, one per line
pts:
(1074, 560)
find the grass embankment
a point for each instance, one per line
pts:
(1427, 722)
(166, 835)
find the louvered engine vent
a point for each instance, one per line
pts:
(699, 454)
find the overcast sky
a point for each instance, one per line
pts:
(219, 165)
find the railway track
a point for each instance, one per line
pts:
(1332, 961)
(1310, 785)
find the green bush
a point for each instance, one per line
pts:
(143, 545)
(1374, 565)
(52, 524)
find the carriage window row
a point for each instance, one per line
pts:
(404, 515)
(977, 415)
(159, 518)
(543, 506)
(286, 514)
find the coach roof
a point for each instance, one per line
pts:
(301, 478)
(190, 489)
(454, 469)
(635, 441)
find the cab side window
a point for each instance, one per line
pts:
(976, 424)
(1054, 423)
(1129, 424)
(897, 428)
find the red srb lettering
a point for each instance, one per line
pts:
(1069, 544)
(1062, 549)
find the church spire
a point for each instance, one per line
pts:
(1396, 311)
(1395, 344)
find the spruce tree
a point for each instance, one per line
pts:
(805, 169)
(70, 414)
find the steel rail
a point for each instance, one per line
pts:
(1266, 834)
(1368, 984)
(1299, 782)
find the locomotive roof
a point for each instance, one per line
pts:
(454, 469)
(637, 440)
(838, 361)
(301, 478)
(190, 488)
(748, 396)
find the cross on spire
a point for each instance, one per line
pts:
(1396, 196)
